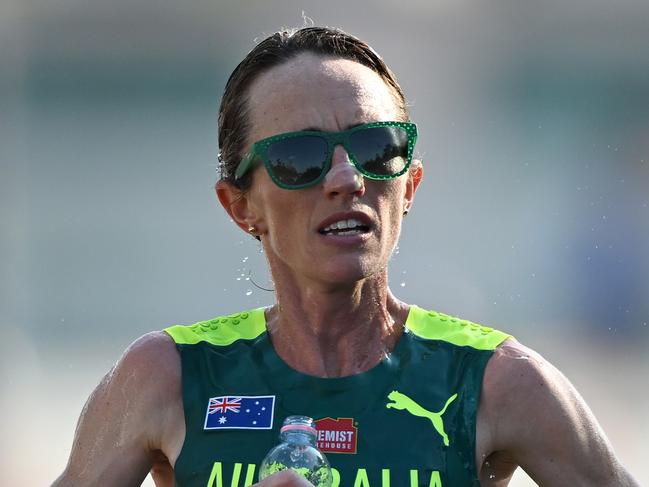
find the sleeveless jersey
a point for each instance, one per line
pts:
(409, 421)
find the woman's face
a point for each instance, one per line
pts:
(329, 94)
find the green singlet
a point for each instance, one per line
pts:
(410, 421)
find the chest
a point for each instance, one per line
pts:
(394, 427)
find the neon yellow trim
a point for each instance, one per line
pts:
(438, 326)
(223, 330)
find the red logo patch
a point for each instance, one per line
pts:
(337, 435)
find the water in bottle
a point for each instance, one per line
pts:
(298, 452)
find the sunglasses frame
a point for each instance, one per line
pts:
(259, 151)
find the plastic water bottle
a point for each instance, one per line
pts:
(298, 452)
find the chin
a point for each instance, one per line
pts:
(349, 271)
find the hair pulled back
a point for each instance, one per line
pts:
(234, 124)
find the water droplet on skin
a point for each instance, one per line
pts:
(248, 292)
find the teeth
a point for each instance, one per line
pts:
(343, 225)
(351, 231)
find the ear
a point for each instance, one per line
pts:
(237, 204)
(415, 175)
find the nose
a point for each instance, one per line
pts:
(343, 177)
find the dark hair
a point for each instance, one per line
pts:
(234, 124)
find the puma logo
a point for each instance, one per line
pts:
(401, 402)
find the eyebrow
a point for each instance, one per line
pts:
(317, 129)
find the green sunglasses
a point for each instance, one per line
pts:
(296, 160)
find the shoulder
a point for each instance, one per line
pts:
(148, 374)
(155, 352)
(135, 411)
(146, 382)
(515, 369)
(519, 385)
(532, 414)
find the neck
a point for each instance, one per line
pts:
(336, 331)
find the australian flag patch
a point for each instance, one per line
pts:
(240, 412)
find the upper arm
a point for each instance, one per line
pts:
(123, 422)
(538, 419)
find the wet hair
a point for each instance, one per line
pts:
(234, 120)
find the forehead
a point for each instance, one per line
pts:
(315, 92)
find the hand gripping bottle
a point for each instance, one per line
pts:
(298, 452)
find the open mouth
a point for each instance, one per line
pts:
(351, 226)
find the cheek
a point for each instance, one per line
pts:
(394, 207)
(285, 222)
(394, 199)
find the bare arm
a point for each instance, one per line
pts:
(129, 418)
(536, 419)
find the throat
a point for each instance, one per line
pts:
(342, 353)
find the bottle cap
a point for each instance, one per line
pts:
(298, 427)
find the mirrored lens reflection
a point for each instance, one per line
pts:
(381, 150)
(297, 160)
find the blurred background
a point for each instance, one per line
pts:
(533, 216)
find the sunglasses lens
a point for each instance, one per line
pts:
(381, 151)
(297, 161)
